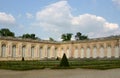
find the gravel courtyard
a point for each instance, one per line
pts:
(69, 73)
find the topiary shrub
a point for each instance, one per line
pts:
(64, 62)
(57, 58)
(23, 59)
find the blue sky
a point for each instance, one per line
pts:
(51, 18)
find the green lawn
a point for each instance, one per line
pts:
(87, 64)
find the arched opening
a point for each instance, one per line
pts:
(88, 53)
(40, 52)
(3, 50)
(32, 51)
(23, 51)
(62, 52)
(101, 52)
(14, 51)
(82, 53)
(48, 52)
(68, 53)
(108, 51)
(76, 53)
(116, 51)
(94, 52)
(55, 54)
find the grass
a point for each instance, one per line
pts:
(85, 64)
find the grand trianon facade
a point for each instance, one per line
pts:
(16, 48)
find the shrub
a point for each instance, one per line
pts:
(23, 59)
(64, 62)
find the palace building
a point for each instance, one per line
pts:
(16, 48)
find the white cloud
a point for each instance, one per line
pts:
(6, 19)
(117, 2)
(57, 18)
(29, 15)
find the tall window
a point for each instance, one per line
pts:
(62, 52)
(23, 51)
(117, 51)
(76, 53)
(32, 51)
(101, 52)
(68, 53)
(3, 50)
(94, 52)
(14, 51)
(88, 52)
(48, 52)
(40, 52)
(82, 53)
(55, 55)
(108, 51)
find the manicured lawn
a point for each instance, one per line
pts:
(87, 64)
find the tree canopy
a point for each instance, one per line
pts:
(79, 36)
(6, 32)
(51, 39)
(66, 37)
(30, 36)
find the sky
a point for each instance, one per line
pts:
(51, 18)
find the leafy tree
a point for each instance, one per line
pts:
(6, 32)
(66, 37)
(31, 36)
(64, 62)
(79, 36)
(51, 39)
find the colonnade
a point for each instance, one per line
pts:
(16, 49)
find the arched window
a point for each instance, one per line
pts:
(101, 52)
(94, 52)
(48, 52)
(55, 55)
(68, 53)
(108, 51)
(3, 50)
(76, 53)
(117, 51)
(23, 51)
(32, 51)
(14, 51)
(82, 53)
(62, 52)
(40, 52)
(88, 53)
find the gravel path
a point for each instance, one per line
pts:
(69, 73)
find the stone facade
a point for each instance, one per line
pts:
(16, 48)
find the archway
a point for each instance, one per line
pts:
(82, 53)
(101, 52)
(108, 51)
(88, 53)
(14, 51)
(94, 52)
(3, 50)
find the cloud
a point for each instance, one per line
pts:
(117, 2)
(6, 19)
(29, 15)
(57, 18)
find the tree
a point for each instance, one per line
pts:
(79, 36)
(51, 39)
(30, 36)
(64, 62)
(6, 32)
(66, 37)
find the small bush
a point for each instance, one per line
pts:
(23, 59)
(64, 62)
